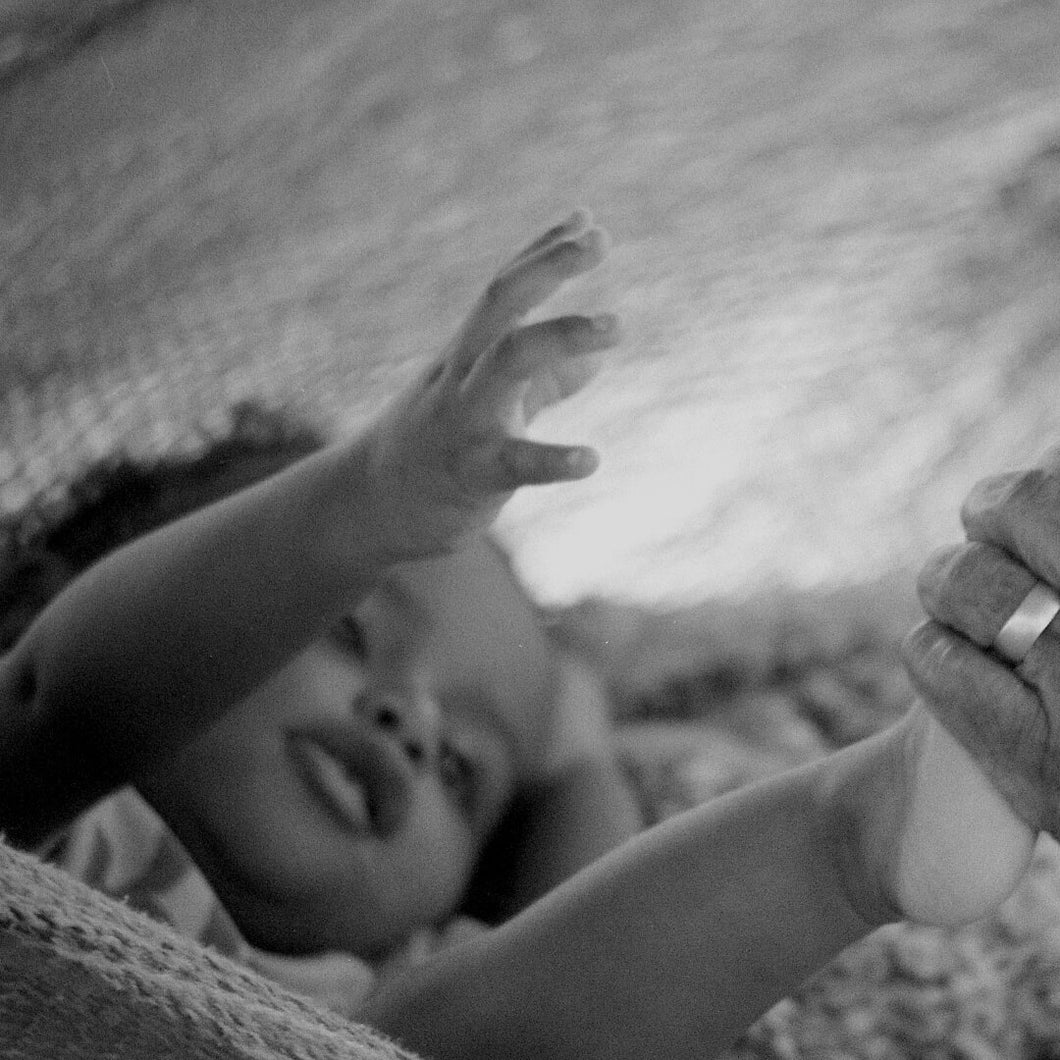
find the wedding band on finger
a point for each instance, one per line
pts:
(1027, 623)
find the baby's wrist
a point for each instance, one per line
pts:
(350, 526)
(372, 517)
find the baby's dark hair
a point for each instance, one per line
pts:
(42, 548)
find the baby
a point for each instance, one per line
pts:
(446, 660)
(285, 690)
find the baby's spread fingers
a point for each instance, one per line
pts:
(973, 588)
(524, 285)
(537, 464)
(527, 352)
(568, 229)
(997, 718)
(1050, 460)
(1020, 512)
(517, 462)
(560, 381)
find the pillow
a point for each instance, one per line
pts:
(83, 976)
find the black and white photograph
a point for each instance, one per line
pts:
(530, 530)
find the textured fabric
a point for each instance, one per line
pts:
(122, 848)
(82, 975)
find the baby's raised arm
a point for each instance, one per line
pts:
(155, 641)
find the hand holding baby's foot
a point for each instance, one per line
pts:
(1007, 715)
(451, 450)
(973, 802)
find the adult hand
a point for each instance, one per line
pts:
(1006, 715)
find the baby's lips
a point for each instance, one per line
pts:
(377, 765)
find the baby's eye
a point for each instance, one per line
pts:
(458, 772)
(348, 633)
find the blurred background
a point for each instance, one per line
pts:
(836, 229)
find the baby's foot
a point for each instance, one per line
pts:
(962, 849)
(926, 837)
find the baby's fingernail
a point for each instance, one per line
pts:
(579, 219)
(595, 242)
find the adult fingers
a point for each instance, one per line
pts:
(537, 350)
(572, 226)
(974, 589)
(526, 283)
(1020, 512)
(993, 714)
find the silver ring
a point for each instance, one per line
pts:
(1028, 622)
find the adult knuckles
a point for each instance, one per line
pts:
(997, 502)
(496, 291)
(944, 664)
(960, 685)
(925, 653)
(958, 577)
(936, 573)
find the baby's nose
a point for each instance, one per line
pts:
(410, 719)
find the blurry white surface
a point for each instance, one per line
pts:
(837, 252)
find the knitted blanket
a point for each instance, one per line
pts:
(82, 976)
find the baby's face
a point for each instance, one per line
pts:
(346, 802)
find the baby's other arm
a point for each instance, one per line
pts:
(159, 638)
(579, 806)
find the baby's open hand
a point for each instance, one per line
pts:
(450, 451)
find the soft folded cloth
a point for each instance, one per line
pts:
(82, 975)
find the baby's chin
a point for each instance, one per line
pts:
(293, 930)
(277, 910)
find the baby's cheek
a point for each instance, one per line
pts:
(438, 852)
